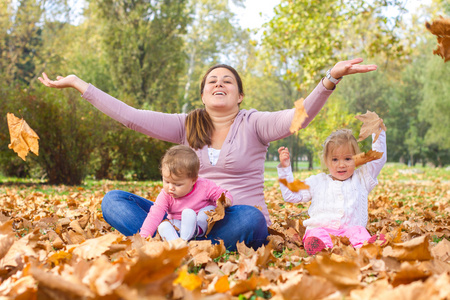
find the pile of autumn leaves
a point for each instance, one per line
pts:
(59, 247)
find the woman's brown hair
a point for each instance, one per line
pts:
(199, 126)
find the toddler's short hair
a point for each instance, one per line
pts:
(335, 139)
(181, 160)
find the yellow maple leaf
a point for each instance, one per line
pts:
(365, 157)
(222, 285)
(300, 116)
(188, 280)
(294, 186)
(371, 124)
(441, 29)
(23, 138)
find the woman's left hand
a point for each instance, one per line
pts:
(352, 66)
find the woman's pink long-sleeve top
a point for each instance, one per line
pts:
(204, 193)
(240, 167)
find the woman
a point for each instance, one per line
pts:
(231, 144)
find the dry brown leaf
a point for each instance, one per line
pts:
(6, 237)
(415, 249)
(305, 287)
(371, 124)
(300, 116)
(408, 273)
(364, 157)
(251, 284)
(294, 186)
(93, 248)
(340, 273)
(23, 138)
(216, 215)
(63, 286)
(441, 29)
(440, 251)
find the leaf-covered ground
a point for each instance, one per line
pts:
(54, 244)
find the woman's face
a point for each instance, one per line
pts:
(221, 91)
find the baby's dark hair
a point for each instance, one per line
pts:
(181, 160)
(335, 139)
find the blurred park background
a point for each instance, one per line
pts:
(152, 54)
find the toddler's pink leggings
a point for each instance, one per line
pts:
(356, 234)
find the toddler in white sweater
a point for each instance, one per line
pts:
(339, 198)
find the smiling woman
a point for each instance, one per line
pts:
(231, 144)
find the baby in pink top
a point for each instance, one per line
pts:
(185, 198)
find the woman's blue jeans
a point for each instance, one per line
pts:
(126, 212)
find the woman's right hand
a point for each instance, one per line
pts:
(61, 82)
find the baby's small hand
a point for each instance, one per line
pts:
(285, 159)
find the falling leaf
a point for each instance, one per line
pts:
(441, 29)
(294, 186)
(364, 157)
(371, 124)
(217, 214)
(23, 138)
(300, 116)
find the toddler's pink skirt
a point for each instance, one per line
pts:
(356, 234)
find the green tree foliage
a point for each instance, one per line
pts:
(143, 42)
(307, 36)
(435, 109)
(20, 40)
(212, 37)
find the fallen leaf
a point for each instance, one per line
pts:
(93, 248)
(188, 280)
(365, 157)
(340, 273)
(64, 286)
(371, 124)
(222, 285)
(23, 138)
(300, 116)
(441, 251)
(6, 237)
(294, 186)
(408, 273)
(415, 249)
(441, 29)
(217, 214)
(305, 287)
